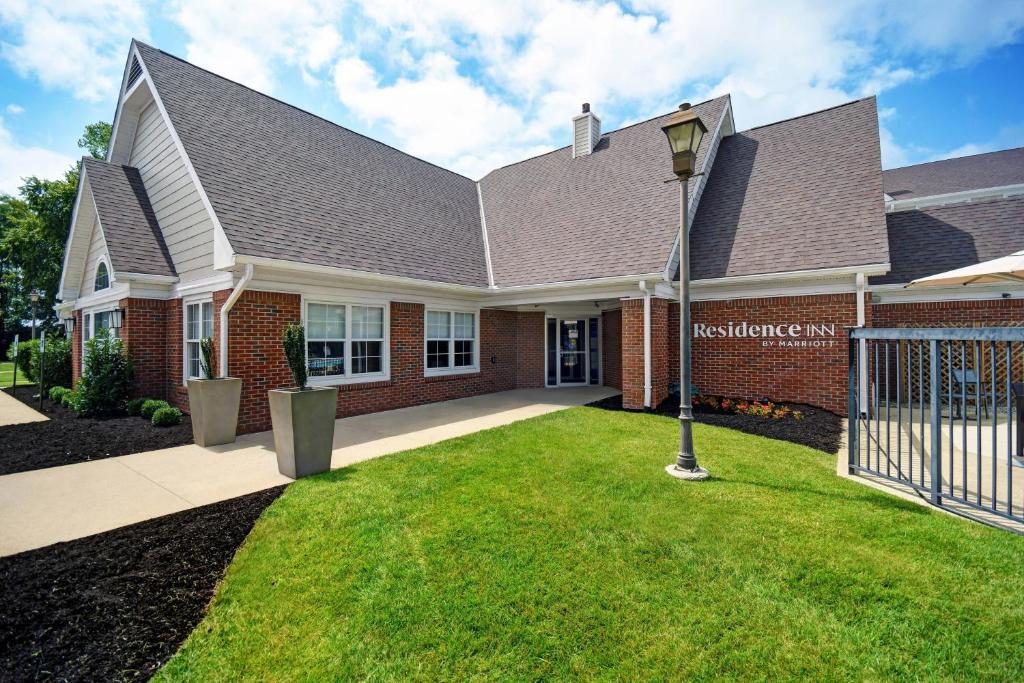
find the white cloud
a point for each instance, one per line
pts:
(245, 40)
(79, 46)
(15, 109)
(18, 161)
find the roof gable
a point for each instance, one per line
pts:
(800, 194)
(288, 185)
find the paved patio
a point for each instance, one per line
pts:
(14, 412)
(47, 506)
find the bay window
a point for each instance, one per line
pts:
(97, 324)
(198, 326)
(345, 342)
(450, 342)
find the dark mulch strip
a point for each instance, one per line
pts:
(819, 428)
(66, 438)
(117, 605)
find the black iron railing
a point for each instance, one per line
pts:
(937, 410)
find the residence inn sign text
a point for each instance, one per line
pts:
(781, 335)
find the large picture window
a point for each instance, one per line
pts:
(451, 342)
(198, 326)
(345, 341)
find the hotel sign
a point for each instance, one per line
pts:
(778, 335)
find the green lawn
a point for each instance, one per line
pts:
(7, 375)
(558, 548)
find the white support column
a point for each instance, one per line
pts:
(862, 369)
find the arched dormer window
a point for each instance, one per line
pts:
(102, 277)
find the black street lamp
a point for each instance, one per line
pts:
(685, 130)
(34, 296)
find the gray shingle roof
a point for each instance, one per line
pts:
(994, 169)
(928, 241)
(800, 194)
(289, 185)
(134, 240)
(553, 218)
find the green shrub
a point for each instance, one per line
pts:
(24, 360)
(134, 406)
(150, 406)
(206, 357)
(106, 378)
(295, 352)
(57, 393)
(70, 400)
(57, 361)
(166, 417)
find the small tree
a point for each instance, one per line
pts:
(106, 378)
(295, 352)
(206, 357)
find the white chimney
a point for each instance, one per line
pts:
(586, 132)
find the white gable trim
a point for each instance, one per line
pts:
(223, 253)
(964, 197)
(71, 236)
(487, 244)
(724, 124)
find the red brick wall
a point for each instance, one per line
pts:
(745, 368)
(950, 313)
(144, 333)
(529, 342)
(258, 319)
(176, 394)
(633, 353)
(611, 348)
(76, 348)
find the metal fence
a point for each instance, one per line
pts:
(938, 410)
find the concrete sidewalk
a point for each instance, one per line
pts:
(47, 506)
(14, 412)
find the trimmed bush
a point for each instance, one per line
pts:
(295, 352)
(150, 407)
(57, 394)
(57, 369)
(166, 417)
(24, 360)
(70, 400)
(134, 406)
(106, 378)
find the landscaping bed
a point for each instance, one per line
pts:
(817, 428)
(116, 606)
(66, 438)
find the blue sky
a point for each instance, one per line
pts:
(474, 85)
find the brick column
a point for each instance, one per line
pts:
(144, 336)
(611, 348)
(659, 351)
(633, 354)
(530, 368)
(76, 348)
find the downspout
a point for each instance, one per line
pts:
(647, 343)
(225, 310)
(861, 319)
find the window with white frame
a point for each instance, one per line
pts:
(97, 324)
(102, 280)
(345, 340)
(198, 326)
(451, 342)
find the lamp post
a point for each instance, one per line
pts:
(684, 130)
(34, 297)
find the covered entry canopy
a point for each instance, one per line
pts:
(1006, 269)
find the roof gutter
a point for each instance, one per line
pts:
(225, 310)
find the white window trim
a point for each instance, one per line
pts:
(450, 370)
(348, 377)
(185, 303)
(91, 312)
(102, 261)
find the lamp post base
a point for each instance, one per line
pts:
(696, 474)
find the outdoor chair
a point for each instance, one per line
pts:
(965, 382)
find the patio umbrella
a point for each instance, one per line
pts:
(1006, 269)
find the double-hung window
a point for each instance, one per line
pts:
(451, 342)
(198, 326)
(346, 341)
(97, 324)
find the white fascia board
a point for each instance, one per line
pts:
(964, 197)
(483, 228)
(71, 235)
(132, 52)
(148, 278)
(702, 179)
(899, 294)
(114, 292)
(223, 254)
(867, 269)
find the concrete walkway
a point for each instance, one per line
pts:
(14, 412)
(46, 506)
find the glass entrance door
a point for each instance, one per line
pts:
(572, 351)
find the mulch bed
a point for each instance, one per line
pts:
(819, 428)
(66, 438)
(117, 605)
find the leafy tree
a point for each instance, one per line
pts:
(96, 139)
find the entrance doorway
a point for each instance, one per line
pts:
(573, 351)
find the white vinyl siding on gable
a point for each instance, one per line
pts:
(183, 219)
(97, 254)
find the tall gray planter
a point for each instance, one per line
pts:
(303, 423)
(214, 407)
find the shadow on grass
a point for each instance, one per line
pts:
(874, 498)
